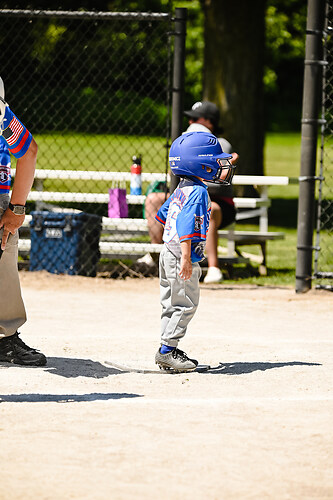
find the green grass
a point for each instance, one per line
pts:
(281, 261)
(282, 156)
(99, 152)
(111, 152)
(114, 152)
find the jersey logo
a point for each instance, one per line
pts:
(4, 175)
(198, 221)
(13, 131)
(178, 198)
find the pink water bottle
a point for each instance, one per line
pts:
(136, 185)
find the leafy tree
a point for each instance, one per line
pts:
(233, 74)
(282, 55)
(251, 65)
(284, 62)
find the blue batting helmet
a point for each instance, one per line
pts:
(200, 154)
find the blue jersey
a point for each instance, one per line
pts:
(185, 216)
(15, 139)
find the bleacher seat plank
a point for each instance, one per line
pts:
(58, 197)
(107, 175)
(250, 237)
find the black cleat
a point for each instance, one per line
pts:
(14, 350)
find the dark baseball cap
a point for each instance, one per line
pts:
(204, 109)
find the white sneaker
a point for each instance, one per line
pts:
(147, 259)
(213, 275)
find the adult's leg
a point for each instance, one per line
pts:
(12, 310)
(153, 203)
(212, 235)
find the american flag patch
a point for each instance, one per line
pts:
(13, 131)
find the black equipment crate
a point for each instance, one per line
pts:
(65, 243)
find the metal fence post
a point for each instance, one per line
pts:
(178, 81)
(311, 105)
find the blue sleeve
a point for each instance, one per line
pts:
(193, 222)
(163, 212)
(16, 135)
(5, 163)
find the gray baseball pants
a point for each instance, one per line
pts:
(179, 298)
(12, 310)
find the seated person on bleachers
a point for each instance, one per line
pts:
(204, 116)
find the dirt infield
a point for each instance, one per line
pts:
(260, 427)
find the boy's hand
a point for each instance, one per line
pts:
(185, 268)
(185, 263)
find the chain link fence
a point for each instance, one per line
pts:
(94, 89)
(323, 266)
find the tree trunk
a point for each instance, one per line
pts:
(233, 75)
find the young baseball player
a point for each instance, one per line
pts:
(195, 157)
